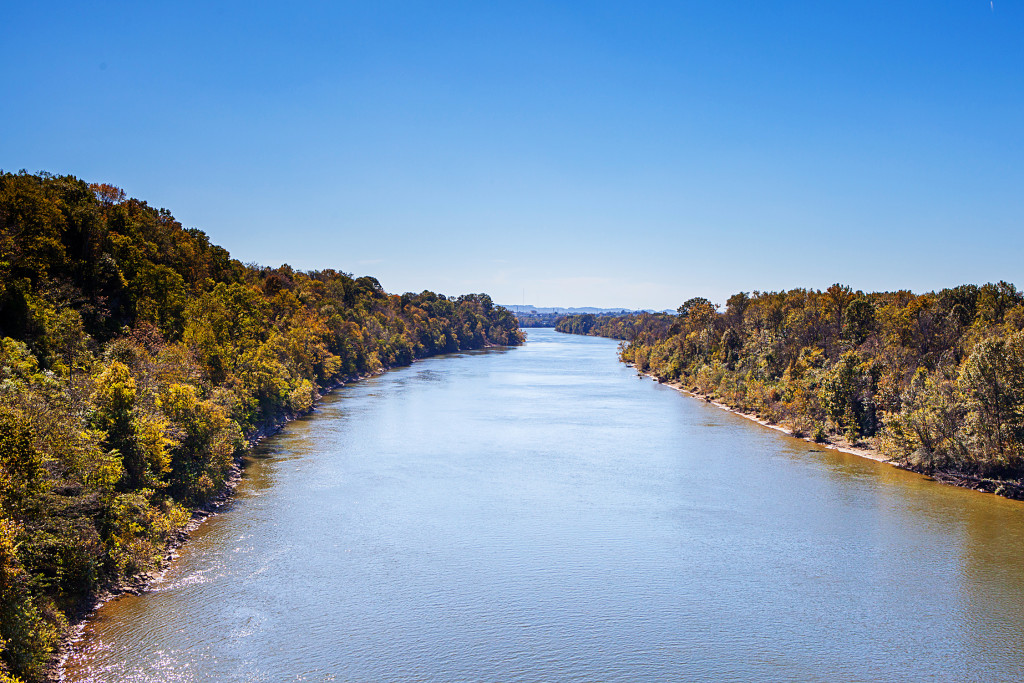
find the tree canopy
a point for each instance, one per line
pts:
(137, 360)
(934, 380)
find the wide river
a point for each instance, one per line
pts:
(542, 514)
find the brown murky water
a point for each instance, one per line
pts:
(540, 514)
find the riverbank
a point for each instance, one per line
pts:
(141, 583)
(861, 451)
(1013, 490)
(529, 506)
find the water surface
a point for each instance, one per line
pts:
(542, 514)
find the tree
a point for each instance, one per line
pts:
(860, 320)
(138, 438)
(839, 296)
(107, 194)
(691, 304)
(20, 468)
(26, 639)
(992, 380)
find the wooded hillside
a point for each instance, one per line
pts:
(136, 360)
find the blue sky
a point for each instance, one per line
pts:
(577, 153)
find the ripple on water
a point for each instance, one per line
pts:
(537, 514)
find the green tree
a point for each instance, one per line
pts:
(27, 639)
(138, 438)
(992, 381)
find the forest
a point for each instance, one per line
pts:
(934, 381)
(138, 361)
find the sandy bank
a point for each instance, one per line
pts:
(869, 453)
(1000, 487)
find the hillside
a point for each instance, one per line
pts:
(137, 361)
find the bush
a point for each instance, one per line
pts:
(818, 434)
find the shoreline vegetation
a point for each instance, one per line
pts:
(138, 364)
(932, 383)
(862, 451)
(1011, 489)
(140, 583)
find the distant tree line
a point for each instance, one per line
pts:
(136, 361)
(550, 319)
(625, 327)
(538, 319)
(935, 380)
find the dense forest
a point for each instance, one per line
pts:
(137, 361)
(935, 381)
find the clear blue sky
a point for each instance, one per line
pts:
(590, 153)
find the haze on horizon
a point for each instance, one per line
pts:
(578, 154)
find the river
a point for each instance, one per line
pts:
(542, 514)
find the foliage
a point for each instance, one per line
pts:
(626, 326)
(935, 380)
(136, 361)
